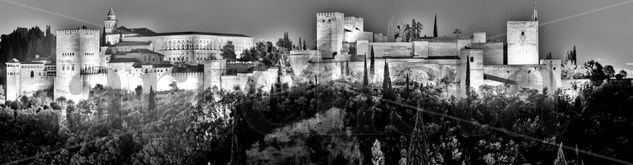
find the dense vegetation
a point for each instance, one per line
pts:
(24, 43)
(330, 123)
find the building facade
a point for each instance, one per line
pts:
(456, 64)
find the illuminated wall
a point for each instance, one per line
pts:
(522, 38)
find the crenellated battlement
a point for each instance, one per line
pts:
(73, 31)
(330, 14)
(187, 75)
(352, 18)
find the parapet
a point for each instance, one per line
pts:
(330, 14)
(74, 31)
(352, 18)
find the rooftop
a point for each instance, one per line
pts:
(122, 60)
(199, 33)
(132, 43)
(145, 51)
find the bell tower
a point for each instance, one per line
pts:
(110, 22)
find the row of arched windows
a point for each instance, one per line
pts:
(201, 44)
(68, 54)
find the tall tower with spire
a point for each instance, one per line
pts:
(110, 22)
(523, 42)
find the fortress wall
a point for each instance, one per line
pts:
(392, 49)
(362, 48)
(442, 49)
(231, 82)
(94, 79)
(240, 67)
(493, 52)
(299, 63)
(31, 85)
(517, 76)
(184, 81)
(421, 49)
(265, 79)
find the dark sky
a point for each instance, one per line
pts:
(601, 29)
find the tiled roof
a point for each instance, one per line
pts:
(132, 43)
(122, 60)
(145, 51)
(200, 33)
(139, 31)
(14, 60)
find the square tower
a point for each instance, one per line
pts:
(330, 34)
(522, 42)
(77, 55)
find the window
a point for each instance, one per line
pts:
(32, 74)
(472, 59)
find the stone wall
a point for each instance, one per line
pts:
(442, 49)
(521, 76)
(392, 49)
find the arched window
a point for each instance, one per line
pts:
(32, 74)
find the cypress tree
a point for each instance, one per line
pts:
(152, 99)
(373, 58)
(435, 26)
(574, 55)
(417, 144)
(406, 90)
(365, 77)
(386, 83)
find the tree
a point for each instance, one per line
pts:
(304, 45)
(228, 51)
(139, 92)
(300, 46)
(621, 74)
(250, 55)
(387, 92)
(609, 72)
(372, 61)
(457, 32)
(595, 72)
(152, 100)
(417, 144)
(365, 77)
(285, 43)
(435, 26)
(570, 56)
(549, 55)
(416, 30)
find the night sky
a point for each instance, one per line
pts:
(601, 29)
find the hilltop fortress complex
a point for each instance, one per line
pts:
(126, 58)
(456, 64)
